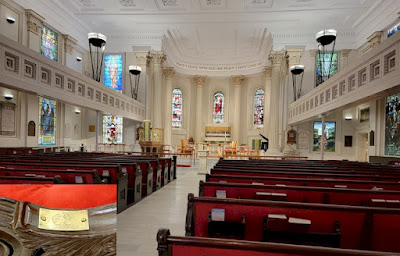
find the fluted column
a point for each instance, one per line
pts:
(149, 87)
(200, 81)
(276, 59)
(267, 73)
(158, 60)
(168, 75)
(237, 82)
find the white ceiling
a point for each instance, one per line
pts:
(199, 34)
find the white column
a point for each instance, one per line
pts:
(200, 81)
(141, 60)
(323, 137)
(35, 22)
(169, 75)
(158, 60)
(267, 73)
(237, 82)
(149, 87)
(273, 108)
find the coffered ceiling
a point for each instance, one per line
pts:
(203, 34)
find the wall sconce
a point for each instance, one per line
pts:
(77, 111)
(78, 58)
(348, 118)
(8, 96)
(10, 20)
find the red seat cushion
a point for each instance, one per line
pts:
(62, 196)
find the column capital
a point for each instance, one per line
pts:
(294, 55)
(200, 81)
(237, 80)
(276, 57)
(375, 39)
(141, 57)
(169, 72)
(345, 53)
(158, 57)
(34, 21)
(267, 72)
(69, 43)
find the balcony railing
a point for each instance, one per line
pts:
(24, 69)
(371, 76)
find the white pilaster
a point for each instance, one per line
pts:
(267, 73)
(34, 22)
(158, 60)
(200, 81)
(149, 87)
(237, 82)
(276, 59)
(168, 75)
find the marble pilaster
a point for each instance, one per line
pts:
(168, 75)
(158, 60)
(200, 81)
(237, 82)
(34, 24)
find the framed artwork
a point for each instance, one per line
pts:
(49, 43)
(92, 128)
(113, 72)
(364, 115)
(31, 128)
(392, 125)
(330, 137)
(348, 141)
(112, 129)
(47, 121)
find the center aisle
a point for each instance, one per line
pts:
(166, 208)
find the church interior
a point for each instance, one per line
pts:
(219, 127)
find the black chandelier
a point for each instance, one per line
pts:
(97, 45)
(297, 77)
(326, 40)
(135, 71)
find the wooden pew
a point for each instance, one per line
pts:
(30, 180)
(199, 246)
(341, 196)
(312, 182)
(366, 228)
(304, 175)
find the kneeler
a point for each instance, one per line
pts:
(58, 220)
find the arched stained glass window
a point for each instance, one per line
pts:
(218, 107)
(177, 108)
(259, 108)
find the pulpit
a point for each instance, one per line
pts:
(150, 139)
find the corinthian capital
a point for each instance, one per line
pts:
(200, 80)
(158, 57)
(169, 73)
(276, 57)
(237, 80)
(267, 71)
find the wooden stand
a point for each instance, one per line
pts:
(151, 147)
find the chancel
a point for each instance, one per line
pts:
(228, 127)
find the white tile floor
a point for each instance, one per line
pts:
(166, 208)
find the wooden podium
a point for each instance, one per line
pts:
(151, 147)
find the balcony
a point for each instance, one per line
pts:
(24, 69)
(371, 76)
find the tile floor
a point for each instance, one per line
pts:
(166, 208)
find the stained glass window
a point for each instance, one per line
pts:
(392, 125)
(218, 107)
(113, 72)
(47, 122)
(324, 67)
(112, 129)
(176, 108)
(393, 30)
(259, 108)
(49, 46)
